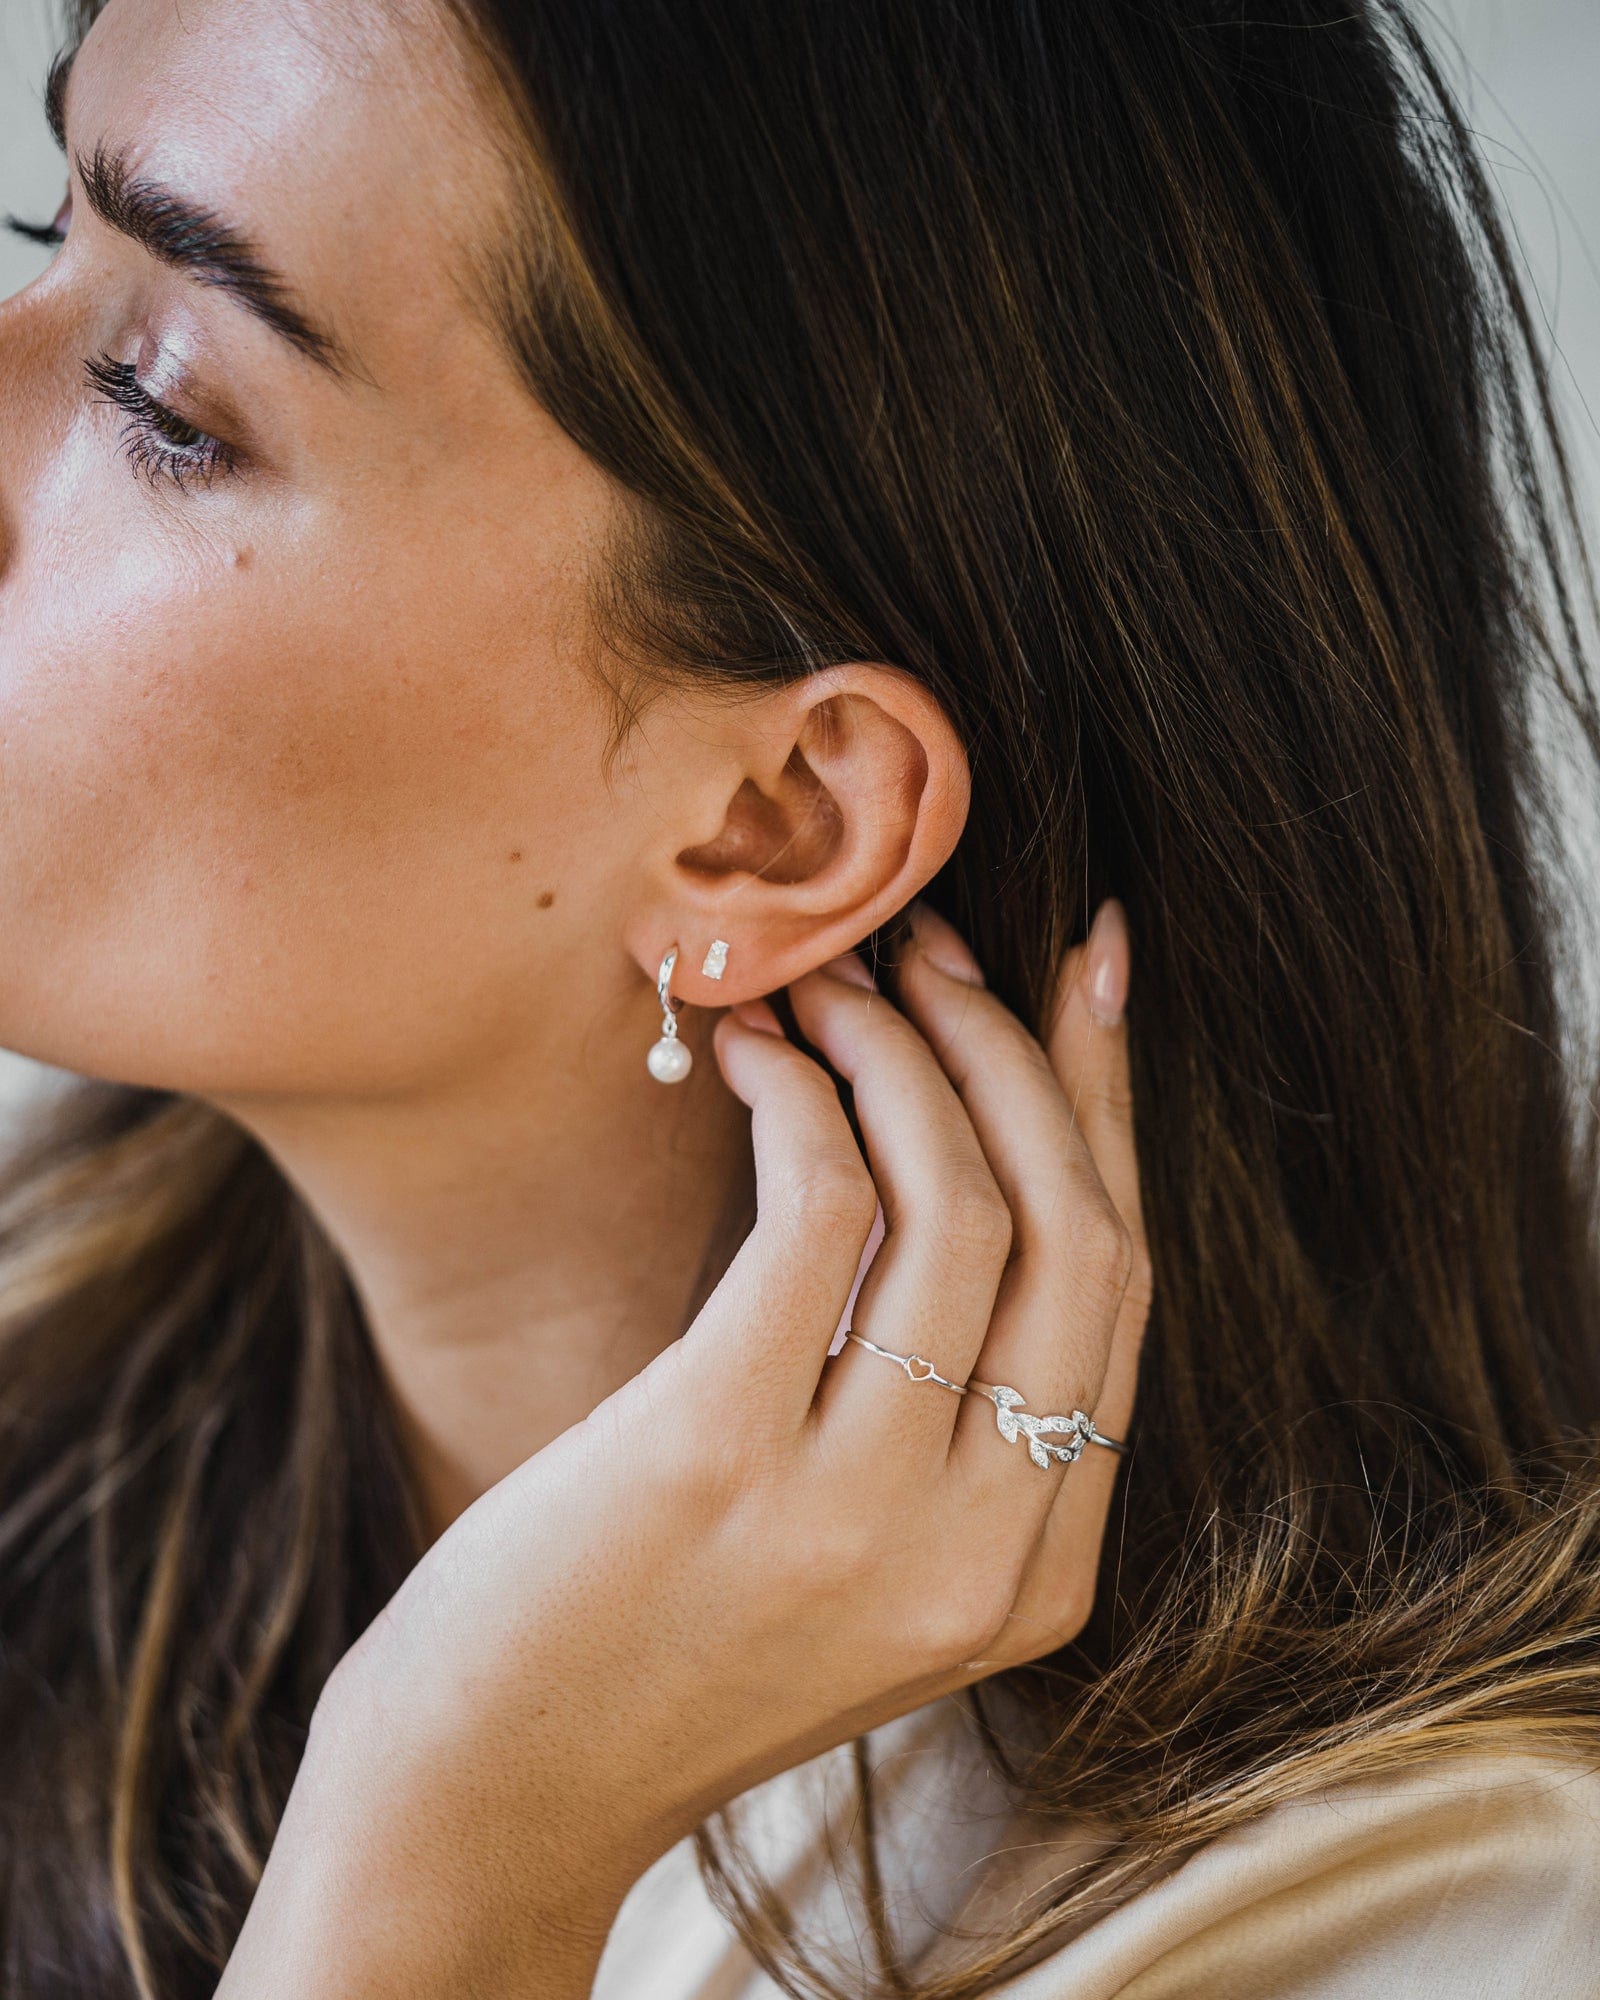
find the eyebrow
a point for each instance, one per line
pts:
(191, 239)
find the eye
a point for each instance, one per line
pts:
(157, 441)
(52, 234)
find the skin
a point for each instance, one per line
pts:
(306, 811)
(342, 855)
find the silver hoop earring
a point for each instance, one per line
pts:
(670, 1060)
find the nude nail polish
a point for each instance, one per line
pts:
(943, 945)
(1107, 963)
(851, 966)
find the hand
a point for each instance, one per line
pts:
(753, 1551)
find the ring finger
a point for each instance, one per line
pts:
(1051, 1332)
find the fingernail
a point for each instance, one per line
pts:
(851, 966)
(1107, 962)
(757, 1014)
(943, 945)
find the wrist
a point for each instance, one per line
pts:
(374, 1887)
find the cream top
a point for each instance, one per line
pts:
(1470, 1879)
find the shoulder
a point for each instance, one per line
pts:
(1466, 1876)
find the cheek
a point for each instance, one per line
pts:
(281, 825)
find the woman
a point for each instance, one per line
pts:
(529, 525)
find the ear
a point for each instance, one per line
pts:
(808, 815)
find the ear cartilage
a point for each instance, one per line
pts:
(716, 959)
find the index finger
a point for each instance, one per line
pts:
(773, 1313)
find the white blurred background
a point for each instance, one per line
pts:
(1530, 72)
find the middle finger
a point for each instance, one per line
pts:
(1051, 1330)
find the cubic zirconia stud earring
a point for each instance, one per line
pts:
(669, 1060)
(716, 959)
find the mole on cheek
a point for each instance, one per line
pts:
(239, 558)
(547, 899)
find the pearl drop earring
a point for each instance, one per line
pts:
(669, 1060)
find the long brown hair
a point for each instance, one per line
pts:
(1156, 385)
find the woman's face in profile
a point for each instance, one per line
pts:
(299, 762)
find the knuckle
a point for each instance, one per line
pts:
(712, 1486)
(1027, 1638)
(1062, 1621)
(834, 1195)
(1140, 1289)
(1114, 1092)
(841, 1556)
(1103, 1243)
(973, 1219)
(1122, 1252)
(698, 1486)
(965, 1616)
(1033, 1058)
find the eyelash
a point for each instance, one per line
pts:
(49, 235)
(157, 441)
(37, 232)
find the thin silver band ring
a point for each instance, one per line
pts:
(1011, 1421)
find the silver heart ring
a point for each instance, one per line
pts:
(1010, 1419)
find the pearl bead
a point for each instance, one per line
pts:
(670, 1060)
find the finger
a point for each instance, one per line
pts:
(1088, 1049)
(1090, 1056)
(775, 1308)
(1051, 1331)
(931, 1287)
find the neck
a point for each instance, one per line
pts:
(523, 1241)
